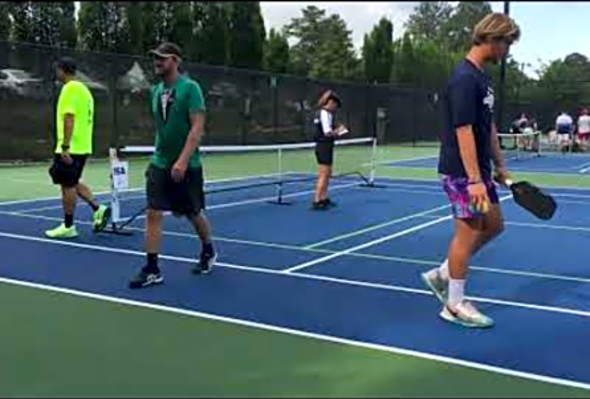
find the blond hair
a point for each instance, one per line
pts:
(496, 26)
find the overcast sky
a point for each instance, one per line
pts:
(550, 30)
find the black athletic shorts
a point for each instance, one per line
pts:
(186, 198)
(67, 175)
(324, 152)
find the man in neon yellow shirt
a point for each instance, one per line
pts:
(75, 123)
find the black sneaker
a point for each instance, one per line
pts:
(319, 206)
(206, 263)
(145, 279)
(329, 203)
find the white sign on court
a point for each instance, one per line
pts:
(120, 175)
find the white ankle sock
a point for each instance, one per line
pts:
(444, 269)
(456, 292)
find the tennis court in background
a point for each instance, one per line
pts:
(301, 303)
(547, 160)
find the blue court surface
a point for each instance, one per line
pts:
(350, 273)
(548, 162)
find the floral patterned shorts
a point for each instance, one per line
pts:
(456, 189)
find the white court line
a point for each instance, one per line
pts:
(212, 207)
(122, 199)
(532, 225)
(376, 227)
(549, 226)
(434, 180)
(564, 195)
(32, 200)
(422, 158)
(366, 245)
(377, 241)
(513, 272)
(354, 283)
(264, 199)
(401, 190)
(574, 202)
(304, 334)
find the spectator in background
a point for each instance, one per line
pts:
(584, 128)
(519, 124)
(533, 143)
(564, 127)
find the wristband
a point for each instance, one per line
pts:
(472, 182)
(65, 147)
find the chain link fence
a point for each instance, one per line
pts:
(244, 107)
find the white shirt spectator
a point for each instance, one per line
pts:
(584, 124)
(564, 124)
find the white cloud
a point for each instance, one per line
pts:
(360, 17)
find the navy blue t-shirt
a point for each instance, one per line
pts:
(468, 100)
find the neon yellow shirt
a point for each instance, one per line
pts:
(76, 99)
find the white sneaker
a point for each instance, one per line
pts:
(466, 315)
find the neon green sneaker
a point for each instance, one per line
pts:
(466, 315)
(62, 232)
(101, 218)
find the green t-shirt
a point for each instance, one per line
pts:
(172, 109)
(76, 99)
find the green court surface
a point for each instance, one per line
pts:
(62, 345)
(59, 343)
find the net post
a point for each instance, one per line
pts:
(115, 201)
(279, 183)
(373, 162)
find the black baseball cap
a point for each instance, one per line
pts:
(166, 50)
(67, 64)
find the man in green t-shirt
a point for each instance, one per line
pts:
(174, 178)
(75, 123)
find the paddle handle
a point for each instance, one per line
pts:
(507, 182)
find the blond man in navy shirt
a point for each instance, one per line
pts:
(469, 147)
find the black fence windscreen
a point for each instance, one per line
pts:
(243, 107)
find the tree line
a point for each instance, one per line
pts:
(313, 44)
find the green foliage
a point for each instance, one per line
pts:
(429, 20)
(180, 26)
(103, 26)
(335, 58)
(378, 52)
(307, 31)
(457, 31)
(211, 40)
(68, 33)
(246, 35)
(324, 46)
(276, 55)
(135, 25)
(36, 22)
(5, 23)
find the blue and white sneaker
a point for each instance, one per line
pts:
(145, 279)
(466, 315)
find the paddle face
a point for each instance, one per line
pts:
(533, 200)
